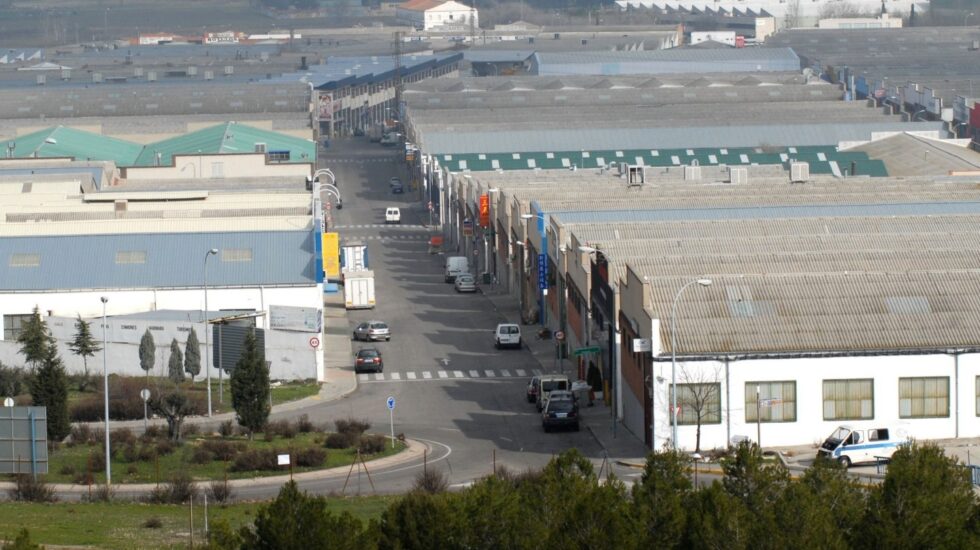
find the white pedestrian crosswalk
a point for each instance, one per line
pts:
(412, 376)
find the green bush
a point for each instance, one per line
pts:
(280, 428)
(255, 460)
(13, 380)
(201, 456)
(372, 444)
(226, 428)
(304, 425)
(337, 441)
(223, 450)
(310, 457)
(352, 428)
(22, 542)
(29, 489)
(178, 490)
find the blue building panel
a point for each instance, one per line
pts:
(173, 260)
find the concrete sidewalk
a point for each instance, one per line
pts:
(618, 442)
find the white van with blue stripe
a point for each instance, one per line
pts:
(849, 445)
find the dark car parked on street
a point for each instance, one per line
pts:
(560, 412)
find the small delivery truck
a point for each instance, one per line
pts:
(359, 289)
(849, 445)
(456, 265)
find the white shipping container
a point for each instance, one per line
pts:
(359, 289)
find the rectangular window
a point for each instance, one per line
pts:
(25, 260)
(236, 254)
(777, 401)
(14, 324)
(848, 399)
(698, 400)
(130, 256)
(278, 156)
(217, 169)
(925, 397)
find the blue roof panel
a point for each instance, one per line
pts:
(175, 260)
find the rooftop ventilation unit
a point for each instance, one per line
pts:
(41, 79)
(229, 70)
(66, 74)
(120, 207)
(96, 77)
(738, 175)
(693, 171)
(208, 75)
(138, 72)
(192, 71)
(260, 148)
(799, 172)
(151, 76)
(635, 175)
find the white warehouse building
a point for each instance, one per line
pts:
(434, 14)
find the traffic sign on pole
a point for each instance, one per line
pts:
(314, 342)
(391, 417)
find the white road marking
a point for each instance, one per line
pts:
(458, 374)
(363, 377)
(443, 374)
(411, 375)
(396, 376)
(426, 374)
(490, 373)
(379, 376)
(521, 372)
(474, 374)
(537, 372)
(504, 372)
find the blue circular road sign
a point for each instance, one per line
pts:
(391, 402)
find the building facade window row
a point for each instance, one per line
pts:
(847, 399)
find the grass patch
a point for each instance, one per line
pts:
(69, 463)
(288, 391)
(120, 525)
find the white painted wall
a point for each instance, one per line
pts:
(809, 375)
(808, 10)
(289, 352)
(220, 166)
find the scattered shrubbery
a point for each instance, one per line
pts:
(372, 444)
(255, 459)
(178, 490)
(337, 441)
(27, 488)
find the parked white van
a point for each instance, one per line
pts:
(393, 215)
(849, 445)
(456, 265)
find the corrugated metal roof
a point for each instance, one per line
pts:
(39, 264)
(669, 61)
(821, 312)
(228, 138)
(61, 141)
(457, 142)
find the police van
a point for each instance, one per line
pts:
(849, 445)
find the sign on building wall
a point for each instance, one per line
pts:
(331, 255)
(542, 271)
(324, 105)
(485, 210)
(301, 319)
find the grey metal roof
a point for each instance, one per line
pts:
(497, 56)
(132, 261)
(672, 60)
(476, 141)
(911, 155)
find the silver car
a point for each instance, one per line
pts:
(372, 330)
(465, 283)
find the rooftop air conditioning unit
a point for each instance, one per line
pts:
(66, 74)
(208, 75)
(96, 77)
(138, 72)
(635, 175)
(151, 76)
(120, 207)
(229, 70)
(738, 175)
(41, 79)
(260, 148)
(192, 71)
(799, 172)
(692, 172)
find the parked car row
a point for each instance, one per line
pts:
(369, 359)
(552, 395)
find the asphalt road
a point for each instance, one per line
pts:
(470, 422)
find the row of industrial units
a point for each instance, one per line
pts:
(836, 300)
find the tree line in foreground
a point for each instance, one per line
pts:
(925, 501)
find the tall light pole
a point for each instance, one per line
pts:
(105, 391)
(673, 358)
(207, 353)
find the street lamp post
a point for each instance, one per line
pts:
(673, 358)
(105, 391)
(207, 352)
(489, 242)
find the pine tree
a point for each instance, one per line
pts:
(85, 346)
(175, 368)
(148, 351)
(296, 519)
(250, 387)
(49, 389)
(34, 339)
(192, 355)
